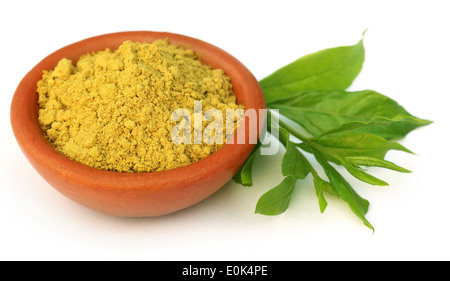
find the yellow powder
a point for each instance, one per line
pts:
(113, 109)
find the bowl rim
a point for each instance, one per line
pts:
(38, 150)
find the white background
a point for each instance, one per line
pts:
(407, 59)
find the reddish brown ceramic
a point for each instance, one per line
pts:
(132, 194)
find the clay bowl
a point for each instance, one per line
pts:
(133, 194)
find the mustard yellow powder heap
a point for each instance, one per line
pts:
(113, 109)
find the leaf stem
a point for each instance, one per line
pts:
(291, 130)
(301, 137)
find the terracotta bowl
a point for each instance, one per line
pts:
(132, 194)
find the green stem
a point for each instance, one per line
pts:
(303, 138)
(291, 130)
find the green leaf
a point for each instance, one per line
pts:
(360, 174)
(329, 69)
(375, 162)
(276, 200)
(337, 147)
(321, 186)
(357, 204)
(352, 149)
(320, 112)
(283, 136)
(293, 163)
(387, 128)
(244, 175)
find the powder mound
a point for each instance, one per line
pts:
(113, 110)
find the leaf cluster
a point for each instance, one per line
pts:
(352, 129)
